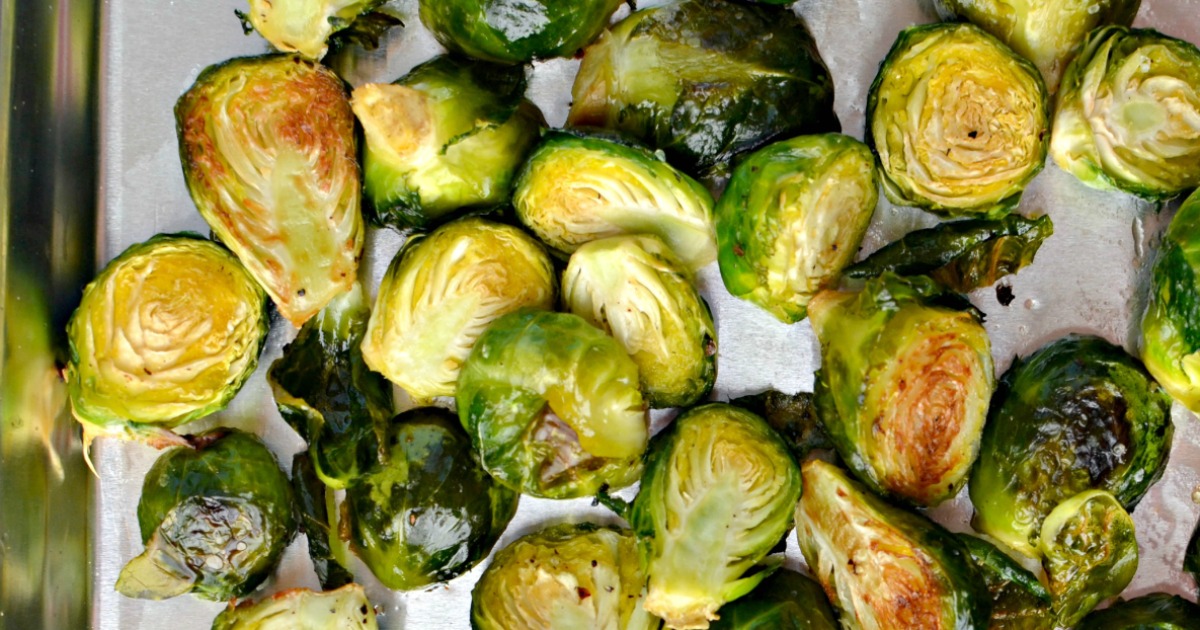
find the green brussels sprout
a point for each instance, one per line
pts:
(429, 513)
(1089, 551)
(301, 609)
(552, 406)
(326, 393)
(1128, 113)
(576, 189)
(1078, 414)
(1171, 324)
(958, 121)
(717, 497)
(882, 566)
(634, 288)
(582, 577)
(794, 418)
(1157, 611)
(906, 375)
(215, 517)
(516, 31)
(1191, 557)
(448, 135)
(317, 512)
(306, 26)
(270, 158)
(705, 80)
(441, 292)
(961, 255)
(785, 601)
(792, 217)
(1019, 601)
(167, 333)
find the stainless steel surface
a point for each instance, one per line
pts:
(1089, 277)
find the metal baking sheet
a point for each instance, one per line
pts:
(1089, 277)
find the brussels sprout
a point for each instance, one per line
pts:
(1019, 601)
(576, 189)
(552, 406)
(326, 393)
(516, 31)
(442, 291)
(215, 518)
(1078, 414)
(705, 80)
(1128, 113)
(1191, 557)
(634, 288)
(317, 511)
(269, 155)
(717, 497)
(582, 577)
(301, 609)
(1171, 325)
(305, 26)
(1157, 611)
(448, 135)
(903, 389)
(882, 566)
(962, 255)
(792, 218)
(957, 120)
(1089, 553)
(794, 418)
(429, 513)
(167, 333)
(785, 601)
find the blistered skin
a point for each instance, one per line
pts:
(1171, 324)
(516, 31)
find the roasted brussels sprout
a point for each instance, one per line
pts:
(1157, 611)
(516, 31)
(1019, 601)
(552, 406)
(305, 26)
(215, 517)
(448, 135)
(577, 188)
(1128, 113)
(1078, 414)
(634, 288)
(1171, 325)
(269, 155)
(794, 418)
(317, 513)
(785, 601)
(705, 80)
(961, 255)
(442, 291)
(583, 577)
(906, 375)
(882, 566)
(958, 121)
(301, 609)
(717, 497)
(1191, 557)
(792, 218)
(429, 513)
(167, 333)
(1089, 553)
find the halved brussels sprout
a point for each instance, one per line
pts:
(1128, 113)
(1019, 601)
(1089, 551)
(552, 406)
(1078, 414)
(792, 217)
(705, 80)
(1171, 325)
(441, 292)
(316, 508)
(582, 577)
(301, 609)
(429, 513)
(270, 158)
(794, 418)
(882, 566)
(448, 135)
(1157, 611)
(634, 288)
(305, 26)
(577, 188)
(167, 333)
(906, 375)
(717, 497)
(516, 31)
(785, 601)
(215, 517)
(958, 121)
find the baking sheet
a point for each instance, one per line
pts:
(1089, 277)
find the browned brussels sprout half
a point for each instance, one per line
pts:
(429, 513)
(1019, 601)
(785, 601)
(516, 31)
(215, 517)
(269, 155)
(301, 609)
(1078, 414)
(705, 80)
(1157, 611)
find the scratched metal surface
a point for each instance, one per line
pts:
(1089, 277)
